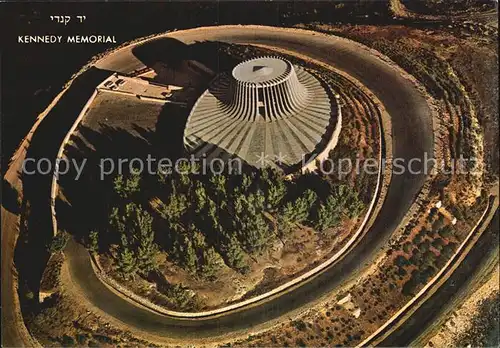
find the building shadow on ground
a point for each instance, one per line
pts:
(10, 197)
(36, 225)
(186, 65)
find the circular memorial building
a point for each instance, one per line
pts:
(266, 112)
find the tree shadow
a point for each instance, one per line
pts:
(10, 198)
(85, 199)
(31, 255)
(186, 65)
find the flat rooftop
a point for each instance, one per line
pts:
(261, 70)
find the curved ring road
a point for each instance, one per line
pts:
(412, 137)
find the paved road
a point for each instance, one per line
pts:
(412, 136)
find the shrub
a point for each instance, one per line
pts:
(401, 261)
(438, 244)
(424, 246)
(67, 341)
(58, 243)
(446, 232)
(300, 325)
(407, 247)
(417, 239)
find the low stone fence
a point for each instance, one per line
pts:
(123, 291)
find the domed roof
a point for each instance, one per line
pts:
(267, 111)
(260, 70)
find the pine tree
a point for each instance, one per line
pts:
(184, 169)
(211, 262)
(275, 194)
(255, 233)
(246, 182)
(58, 243)
(343, 201)
(218, 183)
(117, 221)
(235, 255)
(284, 222)
(298, 211)
(185, 253)
(126, 187)
(93, 241)
(200, 197)
(126, 262)
(147, 250)
(212, 214)
(190, 258)
(175, 208)
(135, 228)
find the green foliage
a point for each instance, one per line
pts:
(343, 201)
(184, 253)
(438, 243)
(417, 278)
(401, 261)
(190, 259)
(249, 223)
(68, 341)
(200, 197)
(193, 254)
(184, 170)
(199, 210)
(439, 223)
(125, 260)
(275, 194)
(178, 295)
(424, 246)
(235, 255)
(93, 245)
(246, 182)
(174, 209)
(274, 188)
(407, 247)
(285, 223)
(448, 250)
(429, 258)
(300, 325)
(256, 233)
(298, 211)
(137, 250)
(126, 187)
(211, 262)
(58, 243)
(146, 248)
(219, 184)
(446, 232)
(81, 339)
(416, 257)
(417, 239)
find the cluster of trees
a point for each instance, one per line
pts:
(205, 221)
(58, 242)
(424, 258)
(130, 225)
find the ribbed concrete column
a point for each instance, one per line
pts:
(281, 90)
